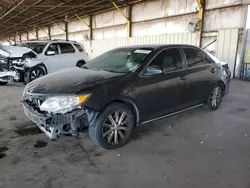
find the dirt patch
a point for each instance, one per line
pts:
(3, 149)
(12, 118)
(28, 131)
(2, 155)
(241, 109)
(40, 144)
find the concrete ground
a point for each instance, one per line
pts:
(196, 149)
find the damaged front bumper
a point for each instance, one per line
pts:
(7, 76)
(54, 125)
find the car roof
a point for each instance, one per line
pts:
(47, 41)
(160, 46)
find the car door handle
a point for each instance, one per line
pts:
(183, 77)
(213, 70)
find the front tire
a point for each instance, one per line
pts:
(3, 83)
(113, 127)
(33, 73)
(80, 64)
(215, 97)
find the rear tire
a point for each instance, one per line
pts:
(33, 73)
(113, 127)
(215, 97)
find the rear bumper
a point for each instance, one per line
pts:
(227, 85)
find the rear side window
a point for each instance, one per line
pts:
(79, 47)
(195, 57)
(169, 60)
(66, 48)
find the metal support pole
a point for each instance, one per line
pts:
(130, 18)
(66, 30)
(90, 27)
(27, 34)
(20, 38)
(37, 37)
(201, 5)
(49, 32)
(123, 14)
(14, 39)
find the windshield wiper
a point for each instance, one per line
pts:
(113, 71)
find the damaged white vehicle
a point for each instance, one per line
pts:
(14, 61)
(33, 59)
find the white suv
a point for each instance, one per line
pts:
(39, 58)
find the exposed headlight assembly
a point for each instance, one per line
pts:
(62, 104)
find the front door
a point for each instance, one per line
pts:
(167, 90)
(52, 58)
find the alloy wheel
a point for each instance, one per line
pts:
(215, 97)
(115, 129)
(36, 74)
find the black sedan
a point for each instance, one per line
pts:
(124, 88)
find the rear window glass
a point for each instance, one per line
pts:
(194, 57)
(79, 47)
(66, 48)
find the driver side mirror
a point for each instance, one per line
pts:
(153, 70)
(51, 53)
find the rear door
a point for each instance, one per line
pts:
(68, 58)
(167, 90)
(201, 73)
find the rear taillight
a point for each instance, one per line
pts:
(227, 70)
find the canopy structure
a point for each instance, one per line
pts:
(18, 16)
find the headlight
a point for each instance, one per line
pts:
(62, 104)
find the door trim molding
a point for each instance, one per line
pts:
(168, 115)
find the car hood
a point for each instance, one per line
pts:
(14, 51)
(70, 81)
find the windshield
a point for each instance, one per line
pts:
(121, 60)
(35, 46)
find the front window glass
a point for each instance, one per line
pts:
(168, 60)
(35, 46)
(121, 60)
(52, 48)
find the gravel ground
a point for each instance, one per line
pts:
(199, 148)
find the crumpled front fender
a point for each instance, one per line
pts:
(33, 62)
